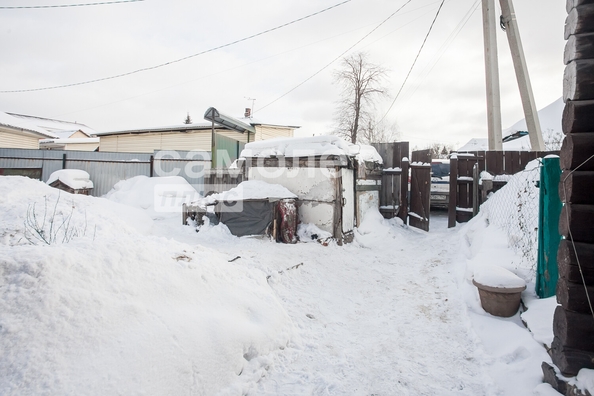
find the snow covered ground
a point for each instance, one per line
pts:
(126, 300)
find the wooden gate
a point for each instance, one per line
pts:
(394, 189)
(420, 189)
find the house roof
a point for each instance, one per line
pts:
(70, 141)
(222, 120)
(171, 128)
(62, 129)
(24, 125)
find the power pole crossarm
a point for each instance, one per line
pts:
(515, 44)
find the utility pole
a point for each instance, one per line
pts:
(492, 76)
(509, 22)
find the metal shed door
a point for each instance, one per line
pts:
(348, 199)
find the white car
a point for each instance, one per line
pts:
(440, 183)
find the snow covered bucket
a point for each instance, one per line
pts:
(500, 290)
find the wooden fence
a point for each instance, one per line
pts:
(465, 169)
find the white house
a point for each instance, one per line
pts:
(30, 132)
(18, 133)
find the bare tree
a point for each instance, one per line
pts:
(361, 83)
(439, 150)
(552, 139)
(378, 132)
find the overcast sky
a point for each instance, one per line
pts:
(442, 101)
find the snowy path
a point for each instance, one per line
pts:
(382, 320)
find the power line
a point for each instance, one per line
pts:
(67, 5)
(442, 50)
(180, 59)
(335, 59)
(415, 61)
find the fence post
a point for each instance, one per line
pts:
(403, 210)
(548, 227)
(453, 196)
(152, 166)
(475, 189)
(64, 161)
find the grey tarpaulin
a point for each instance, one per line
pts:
(250, 217)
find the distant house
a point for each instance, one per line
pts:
(16, 133)
(22, 131)
(230, 136)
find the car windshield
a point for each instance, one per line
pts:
(440, 169)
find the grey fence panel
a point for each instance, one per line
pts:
(191, 165)
(105, 174)
(106, 169)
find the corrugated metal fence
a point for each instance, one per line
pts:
(106, 169)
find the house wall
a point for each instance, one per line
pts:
(78, 135)
(264, 132)
(9, 139)
(82, 146)
(149, 142)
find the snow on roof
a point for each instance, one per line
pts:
(62, 129)
(12, 121)
(550, 120)
(475, 144)
(310, 147)
(73, 178)
(247, 190)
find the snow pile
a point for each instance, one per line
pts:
(324, 145)
(119, 312)
(158, 196)
(503, 238)
(74, 178)
(375, 231)
(29, 205)
(496, 276)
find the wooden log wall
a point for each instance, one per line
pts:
(573, 323)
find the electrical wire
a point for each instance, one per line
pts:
(442, 50)
(335, 59)
(67, 5)
(180, 59)
(414, 62)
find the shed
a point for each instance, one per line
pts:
(74, 181)
(252, 208)
(325, 173)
